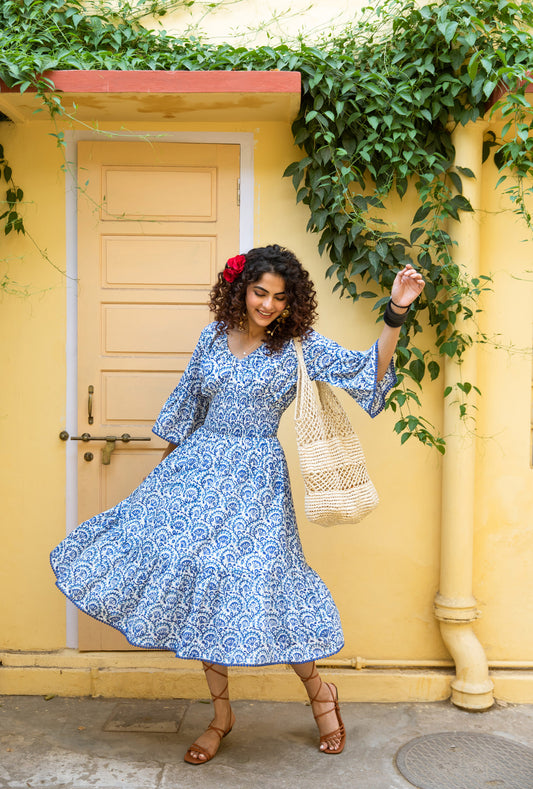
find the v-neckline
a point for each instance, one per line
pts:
(247, 356)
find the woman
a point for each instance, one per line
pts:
(204, 557)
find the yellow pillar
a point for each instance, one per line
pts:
(455, 605)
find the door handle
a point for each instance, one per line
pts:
(109, 443)
(90, 417)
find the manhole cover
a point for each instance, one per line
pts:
(466, 760)
(151, 716)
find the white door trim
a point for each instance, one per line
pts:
(246, 234)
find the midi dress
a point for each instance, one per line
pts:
(204, 558)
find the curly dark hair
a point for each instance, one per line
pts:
(228, 299)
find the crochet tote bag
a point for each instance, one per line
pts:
(337, 486)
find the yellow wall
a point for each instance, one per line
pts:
(32, 397)
(258, 22)
(383, 573)
(504, 495)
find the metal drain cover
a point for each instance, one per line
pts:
(466, 760)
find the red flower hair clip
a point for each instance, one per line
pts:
(234, 267)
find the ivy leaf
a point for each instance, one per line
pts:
(294, 167)
(473, 66)
(403, 353)
(301, 135)
(449, 30)
(466, 172)
(456, 181)
(421, 214)
(417, 368)
(489, 87)
(416, 232)
(449, 348)
(320, 218)
(434, 370)
(460, 203)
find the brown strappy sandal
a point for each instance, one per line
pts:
(335, 699)
(189, 757)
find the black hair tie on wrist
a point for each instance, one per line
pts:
(394, 319)
(399, 306)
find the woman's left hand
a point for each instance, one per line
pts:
(407, 285)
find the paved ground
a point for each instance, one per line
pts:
(113, 744)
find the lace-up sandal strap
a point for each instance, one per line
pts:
(211, 667)
(221, 733)
(194, 759)
(199, 749)
(341, 731)
(313, 675)
(224, 695)
(327, 737)
(332, 700)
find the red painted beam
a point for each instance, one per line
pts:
(172, 82)
(502, 89)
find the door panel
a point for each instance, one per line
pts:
(169, 194)
(151, 328)
(156, 221)
(190, 261)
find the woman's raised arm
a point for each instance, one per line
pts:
(407, 286)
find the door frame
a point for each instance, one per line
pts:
(246, 234)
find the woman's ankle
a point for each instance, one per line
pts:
(222, 709)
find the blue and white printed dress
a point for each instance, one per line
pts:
(204, 557)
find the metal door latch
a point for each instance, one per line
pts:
(110, 442)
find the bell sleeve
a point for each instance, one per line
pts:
(353, 371)
(186, 407)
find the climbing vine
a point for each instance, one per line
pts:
(379, 103)
(13, 198)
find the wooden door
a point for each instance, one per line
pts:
(156, 221)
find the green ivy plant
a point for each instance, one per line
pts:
(379, 102)
(14, 196)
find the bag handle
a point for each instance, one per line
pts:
(299, 353)
(304, 382)
(302, 373)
